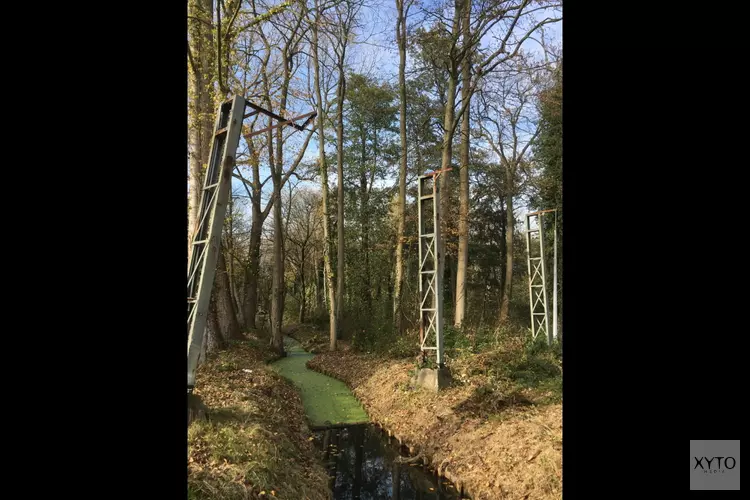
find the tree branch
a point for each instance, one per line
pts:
(231, 21)
(210, 25)
(191, 60)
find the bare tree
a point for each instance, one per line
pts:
(200, 109)
(201, 77)
(342, 29)
(238, 51)
(509, 24)
(289, 29)
(304, 224)
(252, 269)
(508, 123)
(214, 29)
(230, 327)
(323, 168)
(403, 11)
(463, 217)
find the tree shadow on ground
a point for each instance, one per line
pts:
(486, 401)
(531, 380)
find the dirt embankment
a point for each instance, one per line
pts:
(494, 445)
(256, 443)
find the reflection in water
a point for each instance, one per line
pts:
(362, 466)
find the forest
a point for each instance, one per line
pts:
(322, 224)
(321, 239)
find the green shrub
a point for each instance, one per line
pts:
(403, 346)
(456, 338)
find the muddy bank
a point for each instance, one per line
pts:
(257, 443)
(513, 451)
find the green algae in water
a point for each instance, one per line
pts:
(326, 400)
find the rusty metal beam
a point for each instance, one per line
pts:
(273, 115)
(541, 212)
(435, 173)
(291, 121)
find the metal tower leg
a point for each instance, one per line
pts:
(537, 283)
(430, 281)
(213, 206)
(531, 275)
(554, 286)
(544, 279)
(538, 280)
(207, 237)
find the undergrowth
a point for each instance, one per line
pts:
(256, 443)
(504, 364)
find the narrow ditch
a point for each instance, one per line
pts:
(363, 462)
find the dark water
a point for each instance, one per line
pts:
(361, 466)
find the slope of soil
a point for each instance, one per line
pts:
(256, 443)
(326, 400)
(494, 443)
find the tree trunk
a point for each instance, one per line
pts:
(508, 278)
(365, 208)
(277, 312)
(200, 112)
(398, 323)
(230, 328)
(463, 191)
(214, 340)
(503, 246)
(277, 297)
(327, 237)
(251, 275)
(302, 310)
(389, 289)
(194, 160)
(200, 131)
(318, 286)
(234, 292)
(341, 91)
(452, 270)
(302, 286)
(279, 288)
(447, 153)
